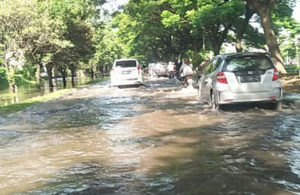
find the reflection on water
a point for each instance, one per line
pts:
(30, 91)
(155, 139)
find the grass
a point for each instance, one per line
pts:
(12, 108)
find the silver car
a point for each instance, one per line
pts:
(161, 69)
(238, 78)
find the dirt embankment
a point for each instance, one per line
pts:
(291, 83)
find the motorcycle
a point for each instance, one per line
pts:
(186, 81)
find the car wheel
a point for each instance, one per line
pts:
(277, 106)
(213, 102)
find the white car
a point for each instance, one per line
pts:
(126, 72)
(239, 78)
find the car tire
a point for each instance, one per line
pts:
(213, 102)
(277, 106)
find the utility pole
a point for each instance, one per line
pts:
(297, 54)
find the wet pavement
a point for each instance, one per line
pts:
(154, 139)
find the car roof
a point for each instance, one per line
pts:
(126, 59)
(242, 54)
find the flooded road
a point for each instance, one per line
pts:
(155, 139)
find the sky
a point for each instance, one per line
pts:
(112, 6)
(296, 13)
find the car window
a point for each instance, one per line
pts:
(125, 64)
(218, 63)
(248, 63)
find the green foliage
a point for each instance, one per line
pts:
(70, 33)
(20, 77)
(107, 49)
(170, 19)
(3, 80)
(28, 72)
(141, 31)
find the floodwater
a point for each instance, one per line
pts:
(30, 90)
(155, 139)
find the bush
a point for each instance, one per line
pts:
(28, 72)
(292, 70)
(3, 79)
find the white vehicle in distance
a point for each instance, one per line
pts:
(126, 72)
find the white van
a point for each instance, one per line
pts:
(126, 72)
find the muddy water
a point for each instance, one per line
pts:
(156, 139)
(29, 91)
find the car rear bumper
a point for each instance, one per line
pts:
(226, 97)
(129, 81)
(161, 73)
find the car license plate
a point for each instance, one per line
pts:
(250, 79)
(126, 71)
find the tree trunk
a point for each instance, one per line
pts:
(218, 38)
(55, 76)
(264, 9)
(196, 50)
(13, 86)
(49, 72)
(243, 28)
(73, 72)
(217, 49)
(272, 41)
(37, 76)
(92, 73)
(100, 67)
(10, 76)
(63, 71)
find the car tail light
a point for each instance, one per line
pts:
(139, 68)
(275, 75)
(221, 78)
(174, 68)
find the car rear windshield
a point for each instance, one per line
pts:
(125, 64)
(248, 63)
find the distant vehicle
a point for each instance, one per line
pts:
(238, 78)
(161, 69)
(171, 70)
(151, 67)
(126, 72)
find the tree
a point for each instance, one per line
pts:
(61, 36)
(80, 34)
(15, 16)
(264, 10)
(142, 32)
(206, 19)
(242, 27)
(108, 48)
